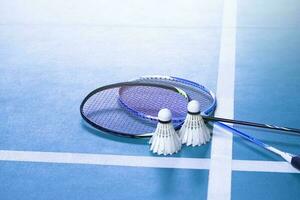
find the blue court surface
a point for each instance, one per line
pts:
(53, 53)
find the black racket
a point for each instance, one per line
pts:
(103, 109)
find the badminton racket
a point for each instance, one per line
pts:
(207, 99)
(102, 110)
(191, 89)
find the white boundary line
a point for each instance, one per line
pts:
(263, 166)
(140, 161)
(104, 159)
(219, 183)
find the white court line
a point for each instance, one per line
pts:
(219, 183)
(105, 159)
(263, 166)
(140, 161)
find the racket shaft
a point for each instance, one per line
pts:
(254, 124)
(284, 155)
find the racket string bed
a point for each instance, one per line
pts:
(141, 99)
(197, 92)
(106, 112)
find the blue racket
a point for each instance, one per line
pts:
(208, 102)
(196, 92)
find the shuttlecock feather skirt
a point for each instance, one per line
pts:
(165, 140)
(194, 131)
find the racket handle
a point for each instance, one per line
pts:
(254, 124)
(292, 159)
(296, 162)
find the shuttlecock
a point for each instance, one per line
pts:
(194, 131)
(165, 140)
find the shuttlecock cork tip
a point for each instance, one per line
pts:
(194, 107)
(164, 115)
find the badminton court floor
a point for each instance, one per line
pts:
(52, 53)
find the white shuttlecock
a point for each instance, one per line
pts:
(165, 140)
(194, 131)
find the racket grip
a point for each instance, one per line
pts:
(296, 162)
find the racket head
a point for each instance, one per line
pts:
(195, 91)
(102, 108)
